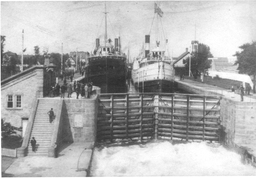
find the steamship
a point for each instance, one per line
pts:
(154, 71)
(107, 66)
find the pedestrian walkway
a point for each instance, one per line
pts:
(73, 161)
(200, 86)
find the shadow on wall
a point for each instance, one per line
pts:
(67, 138)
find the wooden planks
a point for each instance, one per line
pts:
(141, 117)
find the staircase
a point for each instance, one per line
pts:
(42, 129)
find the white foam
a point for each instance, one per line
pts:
(165, 159)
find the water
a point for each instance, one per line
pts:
(166, 159)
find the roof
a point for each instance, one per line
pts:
(181, 57)
(222, 64)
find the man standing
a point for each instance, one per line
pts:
(33, 144)
(242, 92)
(86, 90)
(69, 90)
(78, 87)
(63, 90)
(51, 115)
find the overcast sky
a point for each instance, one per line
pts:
(222, 25)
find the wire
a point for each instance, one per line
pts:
(112, 27)
(152, 23)
(100, 26)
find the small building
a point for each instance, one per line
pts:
(19, 93)
(179, 64)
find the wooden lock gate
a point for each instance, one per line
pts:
(142, 117)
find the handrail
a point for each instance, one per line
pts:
(22, 151)
(52, 151)
(161, 94)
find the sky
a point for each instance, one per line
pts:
(222, 25)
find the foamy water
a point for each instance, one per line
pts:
(165, 159)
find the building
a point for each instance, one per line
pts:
(19, 93)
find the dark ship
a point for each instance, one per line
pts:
(107, 66)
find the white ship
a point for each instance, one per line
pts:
(154, 72)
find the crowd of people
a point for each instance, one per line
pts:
(242, 91)
(82, 90)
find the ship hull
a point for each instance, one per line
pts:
(162, 86)
(154, 77)
(107, 72)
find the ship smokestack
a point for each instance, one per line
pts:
(97, 43)
(119, 48)
(116, 44)
(147, 43)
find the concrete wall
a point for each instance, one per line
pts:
(239, 121)
(9, 152)
(30, 86)
(80, 120)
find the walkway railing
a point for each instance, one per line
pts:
(147, 116)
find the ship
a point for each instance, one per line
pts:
(106, 67)
(154, 72)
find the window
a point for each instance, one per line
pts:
(18, 101)
(14, 101)
(9, 101)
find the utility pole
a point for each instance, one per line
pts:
(76, 61)
(22, 50)
(61, 70)
(106, 32)
(189, 67)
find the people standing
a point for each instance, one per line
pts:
(242, 92)
(51, 115)
(63, 90)
(248, 88)
(86, 90)
(74, 85)
(89, 90)
(33, 144)
(71, 77)
(69, 90)
(82, 90)
(78, 87)
(57, 89)
(65, 80)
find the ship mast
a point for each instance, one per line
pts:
(106, 32)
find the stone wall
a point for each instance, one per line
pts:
(80, 120)
(239, 122)
(29, 85)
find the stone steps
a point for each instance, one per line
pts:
(42, 128)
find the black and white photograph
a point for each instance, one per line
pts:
(128, 88)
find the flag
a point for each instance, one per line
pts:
(24, 50)
(158, 10)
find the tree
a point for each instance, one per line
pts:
(7, 129)
(56, 60)
(12, 64)
(2, 48)
(199, 60)
(246, 60)
(38, 57)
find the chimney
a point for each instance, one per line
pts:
(97, 43)
(147, 44)
(116, 44)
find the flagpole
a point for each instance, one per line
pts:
(21, 69)
(61, 58)
(76, 61)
